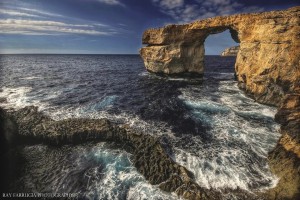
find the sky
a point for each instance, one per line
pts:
(110, 26)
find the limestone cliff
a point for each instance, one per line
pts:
(285, 158)
(267, 65)
(231, 51)
(267, 68)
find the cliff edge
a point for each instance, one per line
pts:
(267, 64)
(267, 68)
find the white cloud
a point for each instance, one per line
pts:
(169, 4)
(111, 2)
(29, 21)
(16, 13)
(26, 12)
(39, 12)
(185, 12)
(37, 27)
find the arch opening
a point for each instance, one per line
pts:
(220, 50)
(230, 129)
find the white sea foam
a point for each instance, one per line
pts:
(242, 132)
(31, 78)
(105, 102)
(15, 97)
(88, 111)
(104, 172)
(216, 166)
(120, 175)
(20, 97)
(145, 73)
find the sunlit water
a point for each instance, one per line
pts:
(217, 132)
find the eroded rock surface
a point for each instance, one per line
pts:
(231, 51)
(150, 153)
(267, 69)
(267, 64)
(285, 158)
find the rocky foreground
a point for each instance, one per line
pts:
(151, 155)
(267, 69)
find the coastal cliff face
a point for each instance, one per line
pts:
(267, 68)
(284, 160)
(231, 51)
(267, 64)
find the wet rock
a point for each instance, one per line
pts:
(150, 157)
(8, 138)
(286, 165)
(284, 160)
(8, 131)
(288, 116)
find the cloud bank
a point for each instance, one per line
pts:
(37, 27)
(184, 12)
(28, 21)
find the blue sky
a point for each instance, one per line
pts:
(109, 26)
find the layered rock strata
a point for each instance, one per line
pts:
(231, 51)
(267, 64)
(267, 68)
(285, 158)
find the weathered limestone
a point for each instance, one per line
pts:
(267, 69)
(150, 154)
(267, 64)
(179, 58)
(285, 158)
(231, 51)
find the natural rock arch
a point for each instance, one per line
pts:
(267, 64)
(181, 51)
(267, 69)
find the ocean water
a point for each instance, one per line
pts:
(217, 132)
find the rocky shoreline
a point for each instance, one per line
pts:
(267, 69)
(284, 160)
(151, 155)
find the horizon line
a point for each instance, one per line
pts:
(68, 54)
(82, 54)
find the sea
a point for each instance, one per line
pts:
(215, 130)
